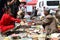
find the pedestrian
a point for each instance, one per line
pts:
(34, 12)
(13, 4)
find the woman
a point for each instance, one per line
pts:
(7, 21)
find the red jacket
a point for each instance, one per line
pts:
(7, 22)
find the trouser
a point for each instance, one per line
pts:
(50, 30)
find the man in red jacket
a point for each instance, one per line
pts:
(7, 21)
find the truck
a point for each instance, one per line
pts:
(51, 4)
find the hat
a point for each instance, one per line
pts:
(47, 9)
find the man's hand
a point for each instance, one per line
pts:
(9, 3)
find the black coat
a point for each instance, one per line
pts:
(14, 8)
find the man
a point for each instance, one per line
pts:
(13, 4)
(48, 22)
(34, 12)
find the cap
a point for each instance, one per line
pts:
(47, 9)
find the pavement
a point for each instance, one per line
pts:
(1, 38)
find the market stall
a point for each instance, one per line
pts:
(28, 30)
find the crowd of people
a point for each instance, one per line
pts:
(12, 11)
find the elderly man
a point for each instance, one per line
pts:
(48, 22)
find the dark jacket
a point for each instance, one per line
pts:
(14, 8)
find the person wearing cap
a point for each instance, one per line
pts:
(49, 23)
